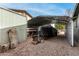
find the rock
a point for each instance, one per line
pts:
(4, 47)
(12, 34)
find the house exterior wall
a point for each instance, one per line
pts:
(21, 34)
(28, 17)
(78, 21)
(76, 29)
(69, 32)
(9, 20)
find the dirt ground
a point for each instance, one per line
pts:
(57, 46)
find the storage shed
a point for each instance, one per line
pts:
(10, 19)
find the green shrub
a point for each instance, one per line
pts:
(60, 26)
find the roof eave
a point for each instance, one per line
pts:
(76, 12)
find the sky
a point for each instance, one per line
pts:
(42, 9)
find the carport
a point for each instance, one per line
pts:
(67, 21)
(69, 27)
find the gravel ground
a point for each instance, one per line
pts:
(57, 46)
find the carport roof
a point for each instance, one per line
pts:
(58, 18)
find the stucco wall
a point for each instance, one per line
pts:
(9, 19)
(21, 34)
(28, 17)
(76, 29)
(69, 32)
